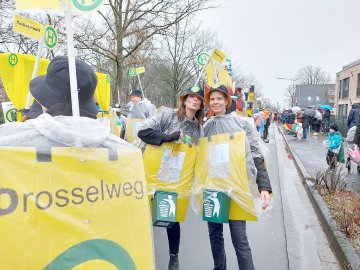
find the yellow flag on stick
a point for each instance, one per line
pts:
(140, 70)
(38, 4)
(76, 5)
(218, 56)
(28, 27)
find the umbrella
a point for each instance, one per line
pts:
(326, 106)
(295, 109)
(291, 127)
(309, 112)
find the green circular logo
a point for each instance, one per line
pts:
(202, 58)
(86, 5)
(195, 89)
(13, 59)
(11, 115)
(108, 78)
(97, 249)
(51, 37)
(132, 72)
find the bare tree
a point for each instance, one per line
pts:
(312, 75)
(124, 26)
(290, 96)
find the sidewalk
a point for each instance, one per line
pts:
(312, 154)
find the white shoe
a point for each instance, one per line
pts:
(315, 134)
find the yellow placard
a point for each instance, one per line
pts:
(230, 175)
(140, 70)
(77, 211)
(102, 91)
(171, 169)
(28, 27)
(76, 5)
(132, 128)
(38, 4)
(218, 56)
(16, 73)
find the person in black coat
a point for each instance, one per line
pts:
(305, 125)
(357, 132)
(326, 120)
(353, 117)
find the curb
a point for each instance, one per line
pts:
(344, 251)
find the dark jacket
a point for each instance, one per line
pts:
(357, 134)
(353, 117)
(290, 119)
(305, 121)
(326, 115)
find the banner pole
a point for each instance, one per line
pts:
(72, 65)
(35, 70)
(142, 90)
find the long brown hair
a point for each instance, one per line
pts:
(181, 112)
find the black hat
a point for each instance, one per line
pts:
(195, 90)
(218, 87)
(54, 87)
(34, 111)
(334, 127)
(137, 93)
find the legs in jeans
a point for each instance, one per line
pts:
(173, 234)
(217, 245)
(240, 243)
(305, 131)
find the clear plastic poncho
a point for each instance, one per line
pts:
(225, 163)
(142, 110)
(170, 167)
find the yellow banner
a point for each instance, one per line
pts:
(140, 70)
(170, 167)
(218, 56)
(102, 91)
(16, 73)
(76, 5)
(28, 27)
(221, 165)
(78, 211)
(225, 78)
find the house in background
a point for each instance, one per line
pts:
(314, 95)
(347, 89)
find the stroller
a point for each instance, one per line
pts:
(353, 151)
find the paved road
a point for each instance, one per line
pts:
(276, 243)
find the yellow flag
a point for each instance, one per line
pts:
(225, 78)
(218, 56)
(28, 27)
(102, 91)
(38, 4)
(140, 70)
(16, 72)
(76, 5)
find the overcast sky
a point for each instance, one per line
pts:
(274, 38)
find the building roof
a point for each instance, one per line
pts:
(351, 65)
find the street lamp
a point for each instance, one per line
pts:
(293, 84)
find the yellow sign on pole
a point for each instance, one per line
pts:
(28, 27)
(140, 70)
(76, 5)
(218, 56)
(78, 211)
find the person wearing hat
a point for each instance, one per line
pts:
(170, 125)
(219, 100)
(140, 107)
(335, 147)
(54, 127)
